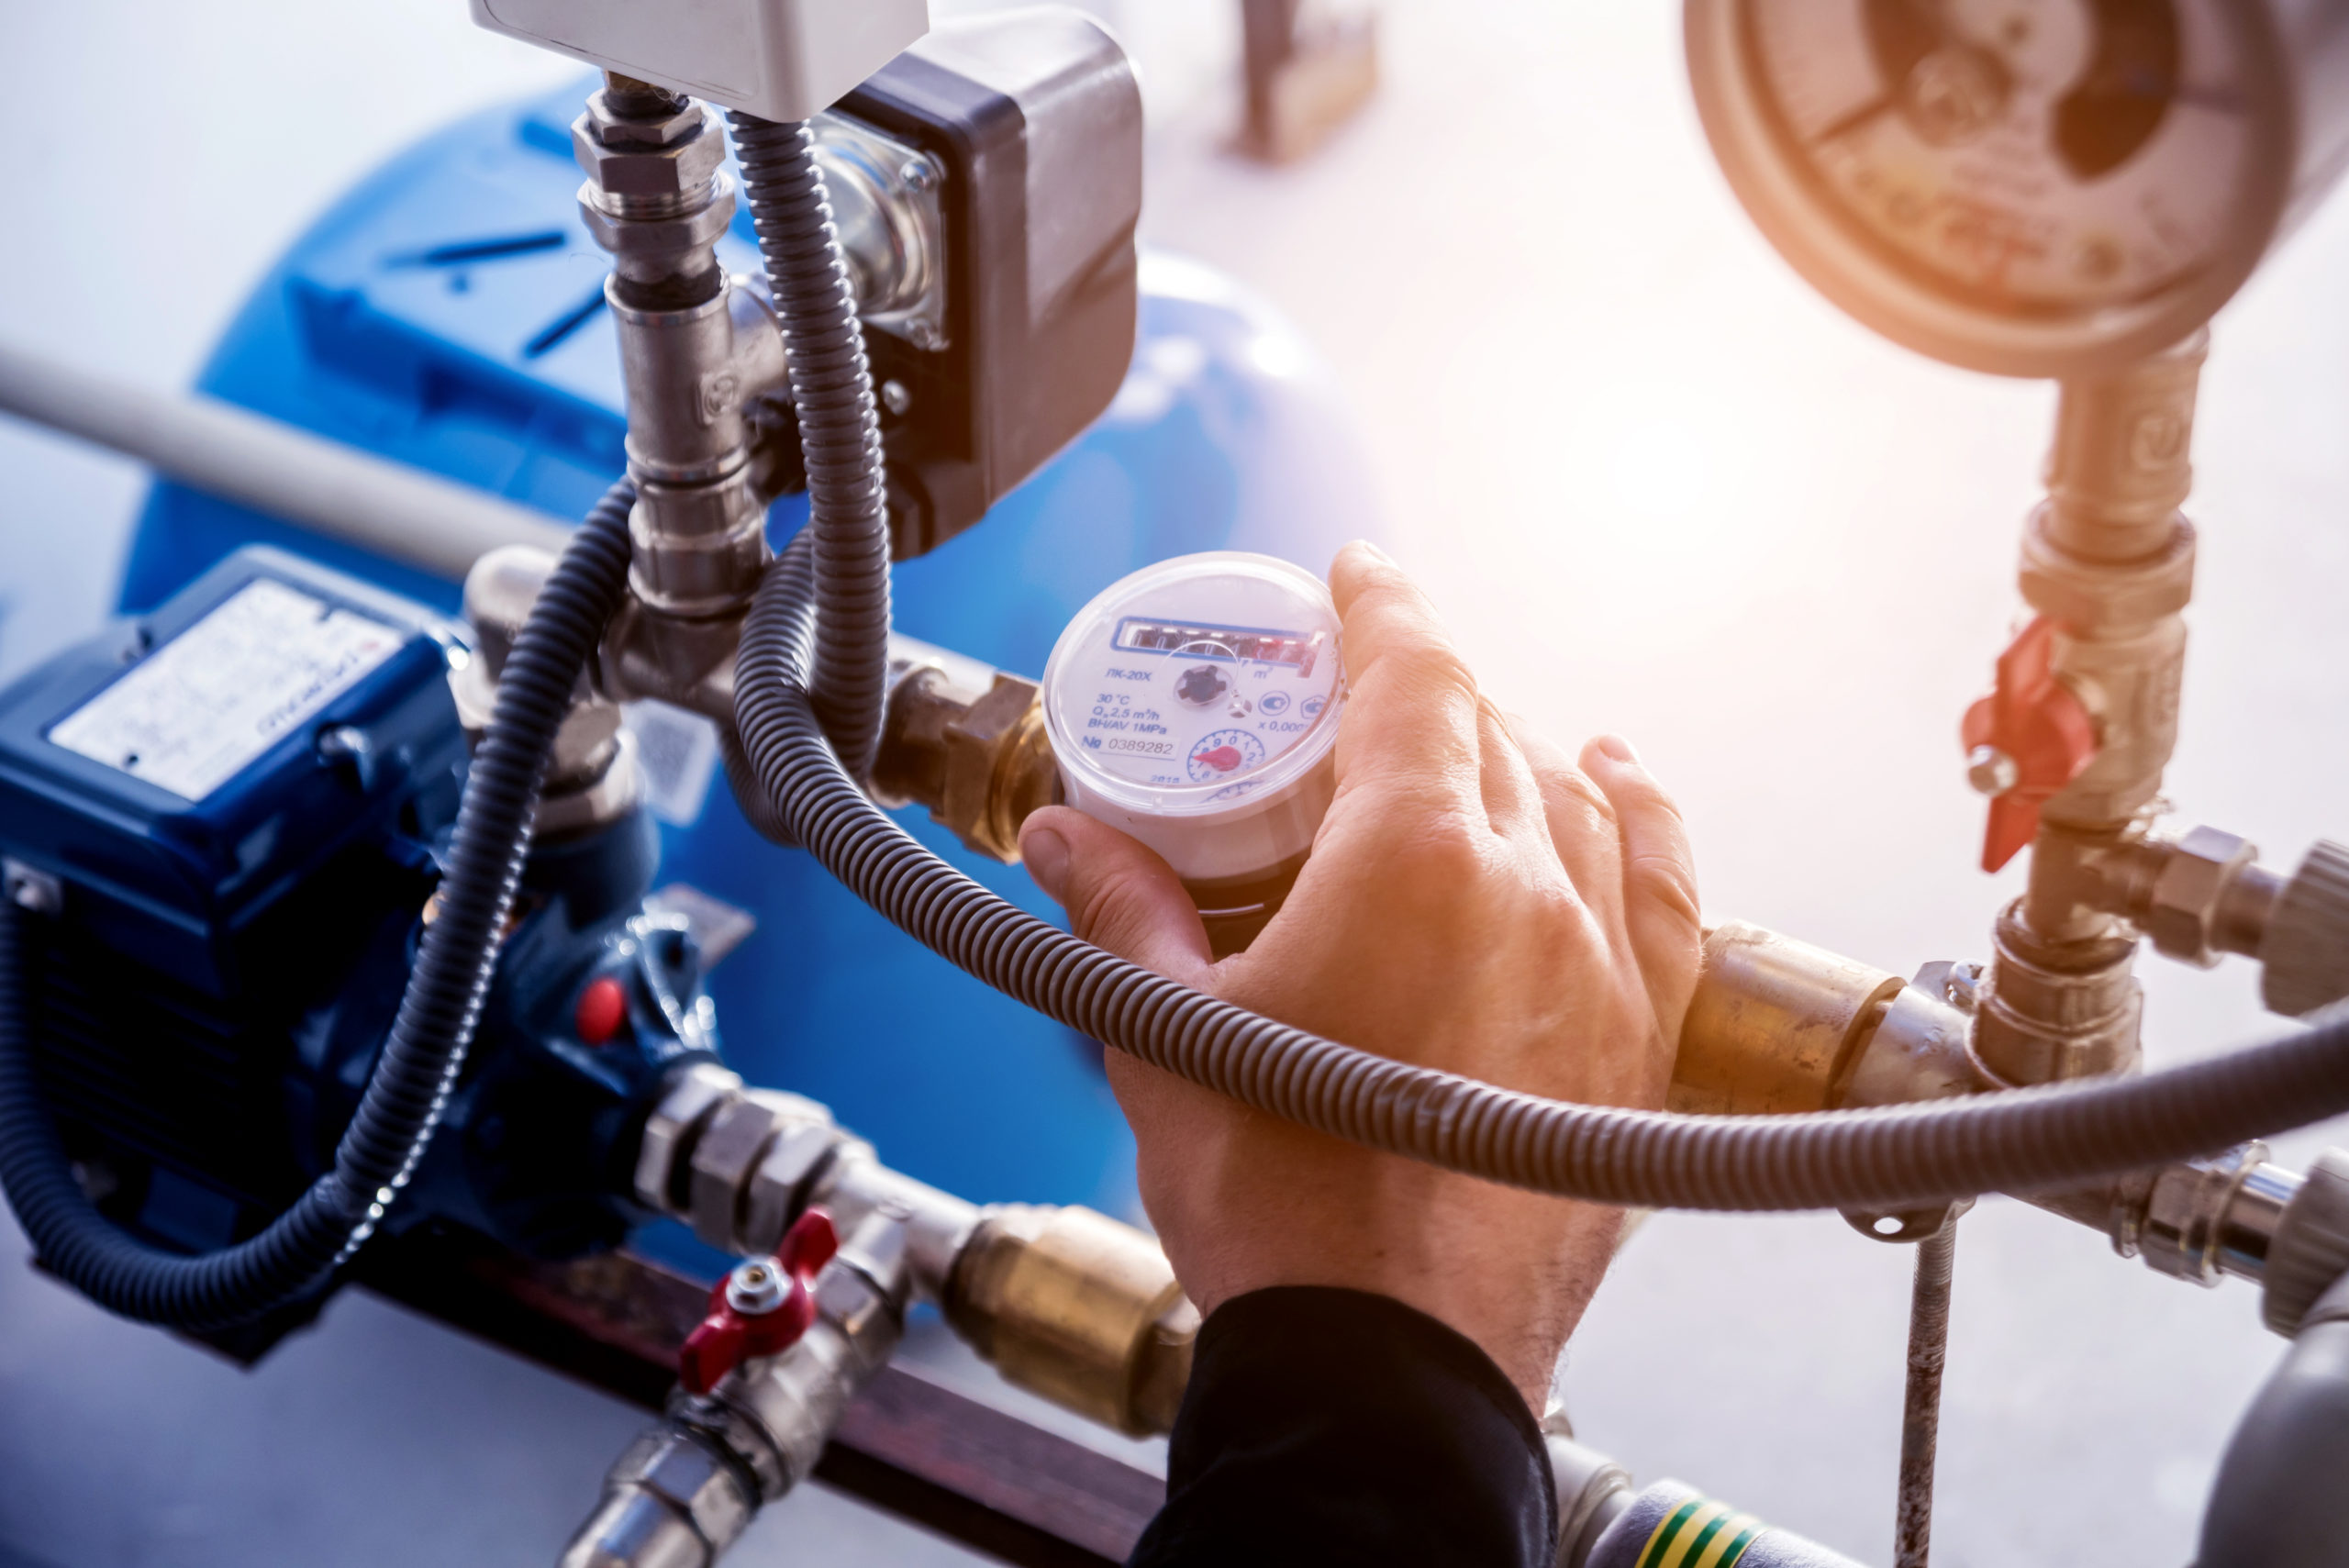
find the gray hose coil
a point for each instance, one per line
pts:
(813, 662)
(421, 1060)
(2023, 1141)
(839, 430)
(742, 779)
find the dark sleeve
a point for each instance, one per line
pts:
(1335, 1426)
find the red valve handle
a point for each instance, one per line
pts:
(2033, 719)
(737, 1329)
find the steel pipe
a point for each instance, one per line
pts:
(434, 523)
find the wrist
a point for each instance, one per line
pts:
(1511, 1272)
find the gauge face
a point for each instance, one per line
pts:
(1205, 681)
(2033, 187)
(2046, 153)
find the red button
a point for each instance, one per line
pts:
(602, 1007)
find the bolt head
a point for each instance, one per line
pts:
(756, 1288)
(918, 173)
(36, 892)
(1991, 772)
(895, 397)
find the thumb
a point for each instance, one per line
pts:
(1120, 895)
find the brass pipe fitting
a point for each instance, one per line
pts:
(1067, 1304)
(968, 742)
(2109, 559)
(2057, 1011)
(1775, 1025)
(1074, 1306)
(1778, 1026)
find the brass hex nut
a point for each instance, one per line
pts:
(2091, 596)
(2183, 908)
(998, 768)
(680, 168)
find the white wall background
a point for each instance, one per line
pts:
(1659, 486)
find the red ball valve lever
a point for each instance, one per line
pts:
(761, 1308)
(2024, 741)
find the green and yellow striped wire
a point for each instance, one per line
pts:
(1700, 1533)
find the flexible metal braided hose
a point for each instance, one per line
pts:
(425, 1052)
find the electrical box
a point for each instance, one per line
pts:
(780, 59)
(1032, 121)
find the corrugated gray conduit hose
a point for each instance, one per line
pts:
(840, 427)
(819, 605)
(2023, 1141)
(422, 1057)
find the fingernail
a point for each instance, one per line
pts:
(1377, 553)
(1046, 855)
(1618, 748)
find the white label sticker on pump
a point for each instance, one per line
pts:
(193, 713)
(1193, 704)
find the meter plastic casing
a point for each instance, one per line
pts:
(1194, 705)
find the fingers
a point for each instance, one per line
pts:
(1580, 820)
(1120, 895)
(1415, 726)
(1660, 909)
(1411, 714)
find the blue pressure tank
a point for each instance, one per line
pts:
(449, 313)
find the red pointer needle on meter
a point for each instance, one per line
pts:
(1223, 759)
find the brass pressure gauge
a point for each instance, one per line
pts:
(2029, 187)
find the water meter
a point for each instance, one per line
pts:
(2032, 187)
(1194, 705)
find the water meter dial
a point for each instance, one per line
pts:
(2033, 187)
(1194, 705)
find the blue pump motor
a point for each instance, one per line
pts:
(224, 821)
(448, 313)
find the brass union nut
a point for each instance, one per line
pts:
(2183, 910)
(999, 767)
(2092, 596)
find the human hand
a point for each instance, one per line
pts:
(1474, 902)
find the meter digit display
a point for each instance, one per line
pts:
(1238, 644)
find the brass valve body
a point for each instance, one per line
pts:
(1072, 1306)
